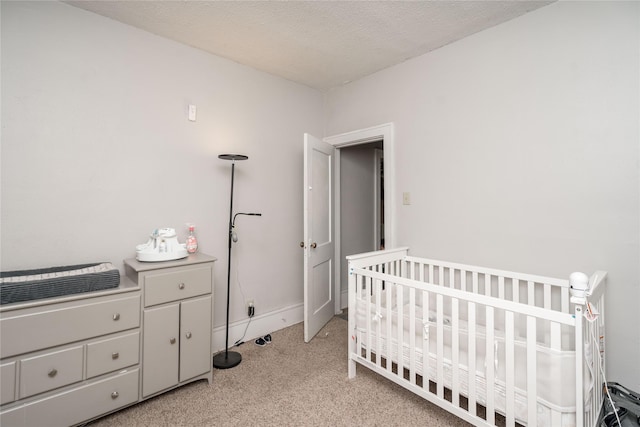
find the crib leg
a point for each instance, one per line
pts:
(352, 368)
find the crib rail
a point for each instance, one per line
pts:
(518, 287)
(495, 323)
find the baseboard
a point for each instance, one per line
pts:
(344, 299)
(259, 326)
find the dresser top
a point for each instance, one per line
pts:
(197, 258)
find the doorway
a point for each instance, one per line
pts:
(379, 138)
(362, 204)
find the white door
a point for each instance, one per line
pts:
(318, 244)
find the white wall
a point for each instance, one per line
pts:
(520, 147)
(97, 151)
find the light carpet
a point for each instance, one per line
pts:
(288, 383)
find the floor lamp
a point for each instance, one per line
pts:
(228, 359)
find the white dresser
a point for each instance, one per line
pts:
(67, 360)
(177, 321)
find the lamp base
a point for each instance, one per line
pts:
(226, 359)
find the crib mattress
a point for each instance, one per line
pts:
(28, 285)
(557, 364)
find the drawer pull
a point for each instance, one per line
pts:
(52, 373)
(172, 340)
(115, 395)
(116, 316)
(188, 335)
(115, 355)
(181, 286)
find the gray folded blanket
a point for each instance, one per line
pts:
(27, 285)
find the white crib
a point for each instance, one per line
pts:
(489, 346)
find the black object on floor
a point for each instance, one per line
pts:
(626, 404)
(262, 341)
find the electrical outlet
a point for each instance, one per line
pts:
(406, 198)
(251, 310)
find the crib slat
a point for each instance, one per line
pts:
(532, 392)
(490, 374)
(547, 296)
(425, 340)
(472, 358)
(400, 328)
(389, 317)
(501, 287)
(474, 276)
(440, 342)
(358, 337)
(371, 327)
(412, 335)
(430, 273)
(440, 275)
(455, 357)
(368, 315)
(531, 296)
(516, 290)
(378, 287)
(452, 277)
(509, 369)
(351, 329)
(487, 284)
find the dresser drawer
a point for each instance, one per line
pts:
(49, 371)
(83, 403)
(166, 286)
(26, 330)
(13, 417)
(8, 382)
(112, 354)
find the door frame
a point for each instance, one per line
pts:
(378, 158)
(384, 132)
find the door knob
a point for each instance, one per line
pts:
(314, 245)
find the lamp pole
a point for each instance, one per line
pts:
(229, 359)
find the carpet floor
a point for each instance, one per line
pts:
(288, 383)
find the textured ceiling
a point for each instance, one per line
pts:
(321, 44)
